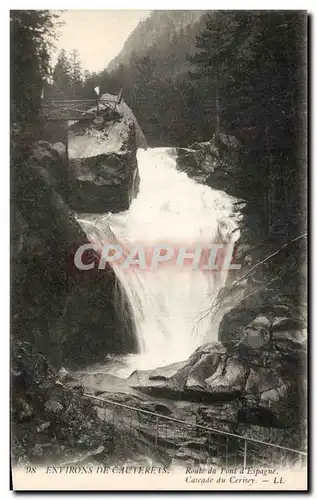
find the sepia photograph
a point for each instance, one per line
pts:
(158, 250)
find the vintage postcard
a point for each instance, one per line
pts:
(158, 250)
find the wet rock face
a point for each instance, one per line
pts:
(216, 389)
(212, 162)
(276, 350)
(264, 335)
(65, 313)
(269, 340)
(263, 388)
(105, 183)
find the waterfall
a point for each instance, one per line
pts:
(170, 304)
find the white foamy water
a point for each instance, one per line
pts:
(169, 304)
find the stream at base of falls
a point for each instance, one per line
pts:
(169, 304)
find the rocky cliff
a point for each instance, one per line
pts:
(158, 32)
(61, 315)
(69, 315)
(264, 334)
(252, 381)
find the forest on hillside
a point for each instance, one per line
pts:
(244, 68)
(227, 89)
(237, 72)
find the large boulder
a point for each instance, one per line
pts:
(162, 381)
(127, 112)
(264, 388)
(102, 159)
(214, 389)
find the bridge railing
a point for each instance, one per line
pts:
(187, 440)
(76, 109)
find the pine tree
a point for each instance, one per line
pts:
(62, 82)
(247, 68)
(217, 50)
(32, 33)
(76, 76)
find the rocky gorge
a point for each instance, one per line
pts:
(248, 382)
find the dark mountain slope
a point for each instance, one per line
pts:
(153, 70)
(159, 32)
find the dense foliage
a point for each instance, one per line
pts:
(251, 64)
(68, 78)
(246, 78)
(32, 34)
(199, 73)
(239, 72)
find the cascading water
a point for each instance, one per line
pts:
(169, 304)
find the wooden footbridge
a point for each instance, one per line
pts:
(55, 115)
(78, 109)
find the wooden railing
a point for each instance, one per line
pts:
(76, 109)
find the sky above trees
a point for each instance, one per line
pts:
(98, 35)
